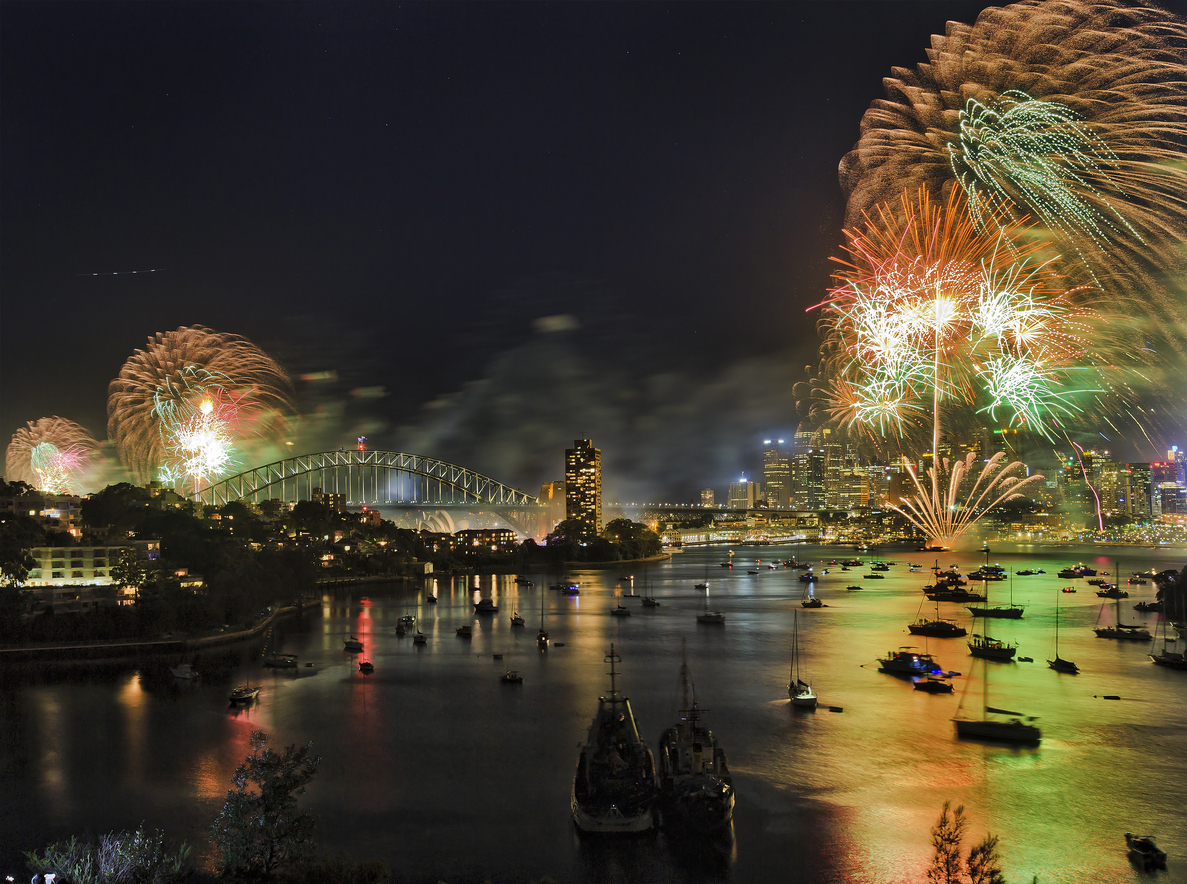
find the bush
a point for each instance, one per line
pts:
(138, 857)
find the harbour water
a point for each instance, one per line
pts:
(435, 766)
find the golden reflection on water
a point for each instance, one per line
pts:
(52, 747)
(131, 699)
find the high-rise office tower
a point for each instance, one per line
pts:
(776, 474)
(583, 484)
(707, 497)
(1139, 491)
(743, 494)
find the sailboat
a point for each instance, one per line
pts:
(936, 628)
(984, 645)
(707, 616)
(1123, 631)
(705, 583)
(1010, 611)
(542, 636)
(1170, 659)
(1059, 664)
(1009, 730)
(798, 690)
(649, 601)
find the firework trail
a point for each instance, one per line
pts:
(1072, 113)
(152, 404)
(51, 454)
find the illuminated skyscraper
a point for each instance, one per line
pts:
(583, 484)
(707, 497)
(742, 494)
(776, 474)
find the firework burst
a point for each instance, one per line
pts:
(1073, 113)
(51, 454)
(154, 406)
(929, 308)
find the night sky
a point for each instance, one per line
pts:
(397, 193)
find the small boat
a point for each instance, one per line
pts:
(245, 693)
(854, 588)
(711, 617)
(872, 577)
(799, 691)
(649, 602)
(419, 638)
(1112, 593)
(366, 667)
(1010, 611)
(352, 644)
(1068, 589)
(694, 779)
(184, 671)
(1144, 852)
(520, 580)
(809, 576)
(810, 601)
(1026, 659)
(280, 661)
(542, 636)
(401, 630)
(511, 677)
(905, 661)
(620, 611)
(516, 620)
(496, 656)
(614, 786)
(486, 606)
(933, 684)
(625, 579)
(1148, 607)
(465, 632)
(407, 619)
(431, 599)
(752, 571)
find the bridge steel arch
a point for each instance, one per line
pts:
(369, 477)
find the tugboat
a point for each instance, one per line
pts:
(614, 786)
(694, 779)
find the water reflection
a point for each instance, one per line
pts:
(432, 751)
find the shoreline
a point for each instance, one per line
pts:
(116, 651)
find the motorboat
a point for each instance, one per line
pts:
(486, 606)
(431, 599)
(244, 694)
(620, 611)
(516, 620)
(872, 577)
(932, 684)
(711, 617)
(520, 580)
(614, 786)
(989, 648)
(184, 671)
(511, 676)
(407, 619)
(1148, 607)
(281, 661)
(366, 667)
(906, 661)
(854, 588)
(465, 632)
(1068, 589)
(809, 576)
(798, 691)
(695, 785)
(419, 638)
(649, 602)
(352, 644)
(1112, 592)
(1144, 852)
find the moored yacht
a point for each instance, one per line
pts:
(614, 786)
(694, 779)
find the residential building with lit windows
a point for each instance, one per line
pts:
(583, 484)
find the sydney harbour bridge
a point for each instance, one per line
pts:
(414, 489)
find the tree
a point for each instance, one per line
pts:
(983, 864)
(259, 829)
(946, 836)
(129, 570)
(18, 534)
(634, 539)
